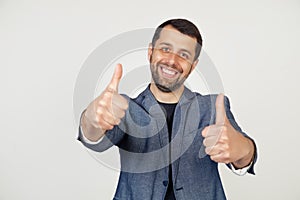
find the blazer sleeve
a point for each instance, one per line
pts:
(111, 137)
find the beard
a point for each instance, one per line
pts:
(162, 84)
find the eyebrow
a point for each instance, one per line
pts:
(170, 45)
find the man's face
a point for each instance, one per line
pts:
(172, 59)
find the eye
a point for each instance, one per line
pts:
(184, 55)
(165, 49)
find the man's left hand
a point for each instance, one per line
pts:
(223, 143)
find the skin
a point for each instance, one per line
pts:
(171, 62)
(223, 143)
(174, 52)
(105, 111)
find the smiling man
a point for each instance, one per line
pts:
(160, 133)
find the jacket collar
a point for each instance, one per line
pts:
(149, 99)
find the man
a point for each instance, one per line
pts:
(160, 134)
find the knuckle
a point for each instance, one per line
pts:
(210, 149)
(95, 124)
(226, 147)
(102, 115)
(126, 105)
(117, 121)
(122, 113)
(99, 112)
(221, 140)
(225, 141)
(100, 122)
(102, 103)
(204, 132)
(109, 127)
(110, 89)
(101, 125)
(207, 150)
(105, 126)
(226, 155)
(107, 94)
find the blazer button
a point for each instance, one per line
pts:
(165, 183)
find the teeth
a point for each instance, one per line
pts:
(168, 71)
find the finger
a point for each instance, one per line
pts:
(105, 125)
(118, 112)
(212, 130)
(120, 101)
(220, 158)
(205, 131)
(211, 141)
(212, 151)
(217, 158)
(114, 83)
(220, 109)
(107, 116)
(101, 123)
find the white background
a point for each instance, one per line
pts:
(43, 44)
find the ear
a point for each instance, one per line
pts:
(150, 51)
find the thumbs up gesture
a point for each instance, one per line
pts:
(106, 110)
(223, 143)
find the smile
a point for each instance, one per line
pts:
(167, 72)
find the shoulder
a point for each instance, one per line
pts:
(210, 99)
(207, 103)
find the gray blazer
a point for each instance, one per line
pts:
(145, 150)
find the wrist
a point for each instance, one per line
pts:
(248, 156)
(89, 131)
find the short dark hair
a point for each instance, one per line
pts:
(183, 26)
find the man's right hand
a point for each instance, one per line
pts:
(105, 111)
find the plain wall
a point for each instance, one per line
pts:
(43, 44)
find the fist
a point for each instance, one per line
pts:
(222, 142)
(107, 110)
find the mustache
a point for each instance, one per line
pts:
(173, 66)
(166, 64)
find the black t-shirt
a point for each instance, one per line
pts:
(169, 110)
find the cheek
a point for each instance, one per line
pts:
(155, 57)
(187, 70)
(186, 67)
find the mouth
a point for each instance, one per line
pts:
(168, 72)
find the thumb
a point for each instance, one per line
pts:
(114, 83)
(220, 110)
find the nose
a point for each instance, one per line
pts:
(171, 58)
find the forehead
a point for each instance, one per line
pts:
(172, 36)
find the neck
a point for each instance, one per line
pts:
(166, 97)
